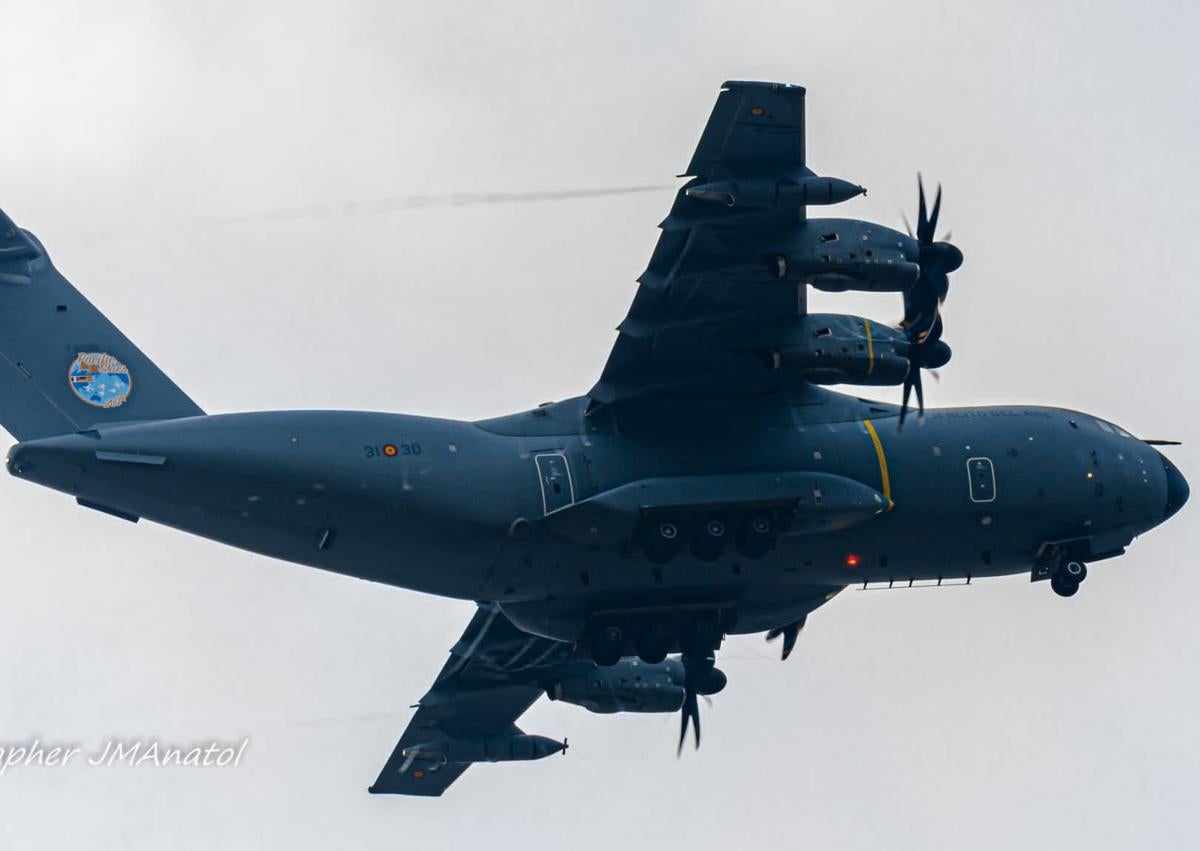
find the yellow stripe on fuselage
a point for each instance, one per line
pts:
(883, 470)
(870, 346)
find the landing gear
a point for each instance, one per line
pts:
(607, 641)
(752, 534)
(1063, 589)
(651, 634)
(654, 641)
(708, 537)
(1066, 578)
(661, 537)
(756, 534)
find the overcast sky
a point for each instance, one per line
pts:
(152, 145)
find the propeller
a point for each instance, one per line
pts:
(701, 677)
(922, 322)
(790, 633)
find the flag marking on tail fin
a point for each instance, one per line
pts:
(100, 380)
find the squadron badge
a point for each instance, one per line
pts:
(100, 379)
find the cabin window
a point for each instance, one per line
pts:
(829, 237)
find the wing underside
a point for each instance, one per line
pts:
(711, 297)
(481, 691)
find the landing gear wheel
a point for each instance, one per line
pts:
(1073, 571)
(1063, 587)
(653, 642)
(756, 533)
(708, 538)
(661, 537)
(607, 643)
(1066, 578)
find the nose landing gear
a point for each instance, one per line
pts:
(1066, 577)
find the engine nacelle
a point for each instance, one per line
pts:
(628, 686)
(847, 254)
(832, 348)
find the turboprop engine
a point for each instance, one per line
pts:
(833, 348)
(628, 686)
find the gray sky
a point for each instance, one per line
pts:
(991, 717)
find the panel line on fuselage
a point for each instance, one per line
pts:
(870, 346)
(883, 468)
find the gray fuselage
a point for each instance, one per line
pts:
(433, 505)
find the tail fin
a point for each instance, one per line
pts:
(63, 366)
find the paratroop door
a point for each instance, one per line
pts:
(554, 475)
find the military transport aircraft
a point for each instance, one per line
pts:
(707, 484)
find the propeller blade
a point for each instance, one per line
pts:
(939, 283)
(933, 333)
(790, 633)
(689, 714)
(933, 216)
(908, 385)
(907, 227)
(922, 217)
(912, 382)
(922, 301)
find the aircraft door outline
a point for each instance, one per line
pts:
(981, 479)
(554, 477)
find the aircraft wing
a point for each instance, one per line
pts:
(710, 301)
(485, 686)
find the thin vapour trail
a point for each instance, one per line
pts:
(399, 203)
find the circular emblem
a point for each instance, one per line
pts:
(757, 111)
(99, 379)
(389, 449)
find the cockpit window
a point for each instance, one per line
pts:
(1113, 428)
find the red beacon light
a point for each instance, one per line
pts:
(851, 560)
